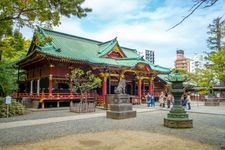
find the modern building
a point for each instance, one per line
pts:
(46, 66)
(149, 55)
(181, 61)
(198, 61)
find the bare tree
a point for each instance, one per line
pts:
(197, 4)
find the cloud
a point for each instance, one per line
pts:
(140, 27)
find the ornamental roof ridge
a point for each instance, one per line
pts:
(107, 45)
(130, 58)
(68, 35)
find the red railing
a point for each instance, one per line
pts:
(53, 96)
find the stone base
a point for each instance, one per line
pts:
(178, 123)
(212, 103)
(121, 114)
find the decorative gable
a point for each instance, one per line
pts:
(143, 67)
(116, 52)
(111, 49)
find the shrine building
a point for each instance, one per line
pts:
(45, 68)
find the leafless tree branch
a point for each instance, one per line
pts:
(194, 8)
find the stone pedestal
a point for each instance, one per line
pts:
(178, 118)
(121, 107)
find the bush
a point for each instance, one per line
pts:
(15, 109)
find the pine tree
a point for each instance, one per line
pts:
(216, 34)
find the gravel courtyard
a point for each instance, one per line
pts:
(146, 131)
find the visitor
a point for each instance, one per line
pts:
(148, 100)
(189, 101)
(169, 99)
(164, 100)
(161, 97)
(184, 100)
(152, 101)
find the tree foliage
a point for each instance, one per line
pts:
(12, 48)
(39, 12)
(216, 34)
(218, 63)
(204, 78)
(83, 81)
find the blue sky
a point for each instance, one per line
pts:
(143, 24)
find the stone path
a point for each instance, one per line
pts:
(196, 108)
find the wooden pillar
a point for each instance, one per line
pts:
(43, 105)
(50, 85)
(71, 87)
(57, 104)
(104, 86)
(151, 86)
(50, 79)
(139, 86)
(31, 87)
(38, 87)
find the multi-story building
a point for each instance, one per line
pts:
(181, 61)
(197, 61)
(148, 55)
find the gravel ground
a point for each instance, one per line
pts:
(32, 114)
(207, 128)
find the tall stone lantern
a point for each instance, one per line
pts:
(177, 117)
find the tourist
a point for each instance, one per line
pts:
(152, 100)
(164, 100)
(148, 99)
(189, 101)
(161, 97)
(184, 100)
(169, 99)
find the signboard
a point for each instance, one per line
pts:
(8, 100)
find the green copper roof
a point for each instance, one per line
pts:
(78, 48)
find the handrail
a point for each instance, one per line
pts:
(53, 96)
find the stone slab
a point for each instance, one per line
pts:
(121, 107)
(121, 115)
(121, 98)
(178, 123)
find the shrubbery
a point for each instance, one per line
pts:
(15, 108)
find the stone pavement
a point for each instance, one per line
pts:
(197, 107)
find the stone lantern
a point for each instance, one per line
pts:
(177, 117)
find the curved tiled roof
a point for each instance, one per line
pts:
(79, 48)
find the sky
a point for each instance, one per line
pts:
(143, 24)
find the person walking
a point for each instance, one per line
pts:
(165, 100)
(148, 100)
(161, 97)
(189, 101)
(169, 99)
(152, 100)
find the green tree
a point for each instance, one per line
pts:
(218, 63)
(7, 78)
(29, 13)
(38, 12)
(13, 48)
(204, 78)
(216, 34)
(83, 81)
